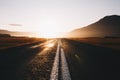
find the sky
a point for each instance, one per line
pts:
(53, 16)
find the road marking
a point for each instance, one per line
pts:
(64, 67)
(55, 68)
(65, 75)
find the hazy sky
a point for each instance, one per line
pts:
(53, 15)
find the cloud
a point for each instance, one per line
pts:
(15, 24)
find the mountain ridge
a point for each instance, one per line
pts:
(107, 26)
(16, 33)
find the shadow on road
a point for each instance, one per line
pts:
(12, 59)
(88, 62)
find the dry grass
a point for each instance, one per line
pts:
(113, 43)
(12, 42)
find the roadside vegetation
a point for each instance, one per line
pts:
(113, 43)
(18, 41)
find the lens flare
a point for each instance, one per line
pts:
(50, 45)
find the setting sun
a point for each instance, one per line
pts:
(47, 32)
(48, 28)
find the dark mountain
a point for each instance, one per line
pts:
(107, 26)
(15, 33)
(4, 35)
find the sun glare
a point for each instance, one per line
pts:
(48, 33)
(49, 27)
(50, 45)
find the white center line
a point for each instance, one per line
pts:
(64, 67)
(55, 68)
(65, 75)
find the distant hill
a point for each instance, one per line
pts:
(4, 35)
(13, 33)
(107, 26)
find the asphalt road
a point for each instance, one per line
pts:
(60, 70)
(88, 62)
(35, 61)
(28, 62)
